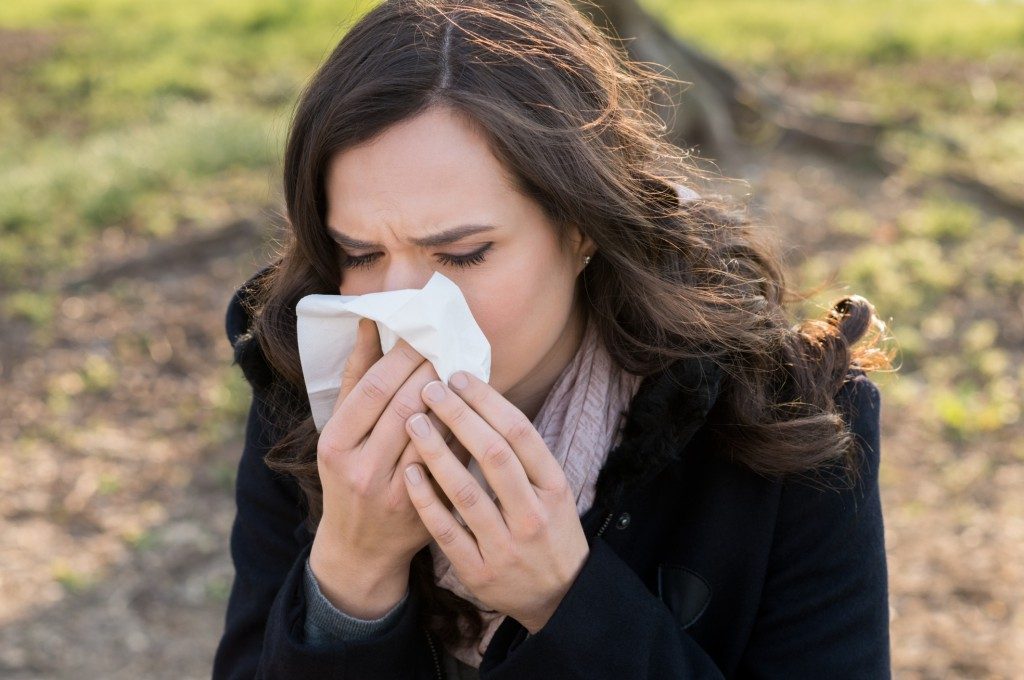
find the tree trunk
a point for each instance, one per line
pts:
(719, 113)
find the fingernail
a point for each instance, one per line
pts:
(419, 424)
(412, 472)
(459, 380)
(435, 391)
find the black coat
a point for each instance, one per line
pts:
(698, 568)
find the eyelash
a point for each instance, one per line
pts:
(354, 262)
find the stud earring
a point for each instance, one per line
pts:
(586, 260)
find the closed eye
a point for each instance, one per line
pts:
(469, 260)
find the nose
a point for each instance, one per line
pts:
(395, 274)
(408, 274)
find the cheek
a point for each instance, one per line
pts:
(521, 317)
(502, 312)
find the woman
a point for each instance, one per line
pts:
(687, 486)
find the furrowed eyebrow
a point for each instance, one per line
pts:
(443, 238)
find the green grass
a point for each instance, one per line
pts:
(57, 194)
(946, 279)
(135, 117)
(141, 116)
(119, 61)
(955, 65)
(807, 36)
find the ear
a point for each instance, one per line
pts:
(580, 244)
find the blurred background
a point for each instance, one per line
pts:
(883, 141)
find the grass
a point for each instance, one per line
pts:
(143, 179)
(130, 119)
(947, 279)
(956, 66)
(809, 37)
(139, 116)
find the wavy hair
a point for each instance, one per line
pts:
(569, 114)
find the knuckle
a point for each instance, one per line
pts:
(533, 524)
(485, 577)
(407, 351)
(373, 387)
(422, 503)
(349, 376)
(498, 453)
(361, 483)
(563, 491)
(468, 495)
(327, 451)
(447, 535)
(352, 360)
(483, 398)
(520, 429)
(404, 407)
(430, 453)
(428, 450)
(459, 415)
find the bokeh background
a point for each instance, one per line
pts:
(139, 185)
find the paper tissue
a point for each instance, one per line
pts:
(435, 320)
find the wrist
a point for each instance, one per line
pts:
(539, 618)
(358, 586)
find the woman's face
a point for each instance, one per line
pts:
(434, 173)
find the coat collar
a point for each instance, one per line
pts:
(668, 408)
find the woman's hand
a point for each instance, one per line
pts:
(369, 530)
(525, 551)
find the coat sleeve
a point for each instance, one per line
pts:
(825, 606)
(264, 634)
(608, 625)
(824, 611)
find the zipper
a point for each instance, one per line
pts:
(607, 520)
(433, 653)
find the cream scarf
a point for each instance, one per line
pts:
(580, 423)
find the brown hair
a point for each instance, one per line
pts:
(568, 114)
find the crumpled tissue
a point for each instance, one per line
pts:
(435, 320)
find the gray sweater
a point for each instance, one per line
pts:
(326, 622)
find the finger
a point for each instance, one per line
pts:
(389, 436)
(365, 353)
(411, 455)
(540, 467)
(372, 393)
(451, 536)
(497, 458)
(460, 486)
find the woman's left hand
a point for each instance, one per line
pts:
(525, 551)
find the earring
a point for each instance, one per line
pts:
(586, 260)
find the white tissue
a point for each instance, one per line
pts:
(435, 320)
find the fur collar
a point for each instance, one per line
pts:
(668, 408)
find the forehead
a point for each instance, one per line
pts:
(422, 169)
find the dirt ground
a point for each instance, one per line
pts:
(116, 487)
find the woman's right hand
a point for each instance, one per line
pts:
(369, 530)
